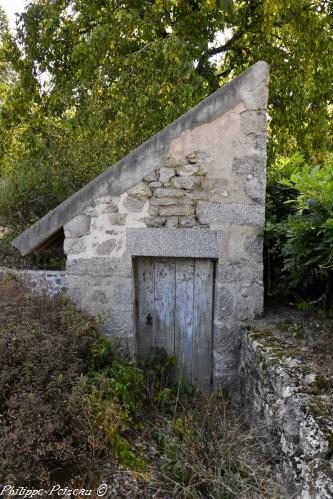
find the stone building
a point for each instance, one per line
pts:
(166, 245)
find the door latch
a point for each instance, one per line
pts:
(149, 320)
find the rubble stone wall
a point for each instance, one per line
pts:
(280, 397)
(52, 282)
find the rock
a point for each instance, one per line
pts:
(153, 210)
(133, 204)
(192, 157)
(74, 246)
(189, 182)
(109, 207)
(171, 222)
(78, 226)
(171, 201)
(163, 201)
(117, 218)
(151, 178)
(199, 195)
(140, 191)
(187, 170)
(154, 221)
(106, 247)
(176, 210)
(166, 174)
(187, 221)
(169, 193)
(155, 184)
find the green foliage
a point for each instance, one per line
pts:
(299, 231)
(86, 82)
(159, 373)
(52, 258)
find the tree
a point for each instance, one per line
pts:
(98, 77)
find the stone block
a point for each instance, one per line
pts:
(187, 221)
(249, 165)
(166, 174)
(154, 221)
(163, 201)
(99, 267)
(140, 191)
(176, 210)
(240, 271)
(233, 213)
(152, 177)
(189, 170)
(242, 302)
(106, 247)
(191, 182)
(74, 246)
(254, 188)
(155, 184)
(228, 334)
(199, 195)
(117, 218)
(194, 243)
(171, 222)
(184, 201)
(168, 193)
(192, 157)
(253, 246)
(153, 210)
(119, 291)
(225, 362)
(106, 208)
(134, 204)
(118, 322)
(78, 226)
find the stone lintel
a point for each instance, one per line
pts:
(191, 243)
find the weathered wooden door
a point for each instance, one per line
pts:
(174, 311)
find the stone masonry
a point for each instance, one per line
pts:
(196, 189)
(280, 397)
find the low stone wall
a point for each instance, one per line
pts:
(281, 395)
(51, 282)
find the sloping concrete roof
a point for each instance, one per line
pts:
(250, 88)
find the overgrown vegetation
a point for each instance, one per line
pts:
(299, 229)
(70, 405)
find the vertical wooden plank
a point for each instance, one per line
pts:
(145, 305)
(184, 317)
(202, 324)
(164, 324)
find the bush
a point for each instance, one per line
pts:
(299, 230)
(65, 402)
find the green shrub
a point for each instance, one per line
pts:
(299, 228)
